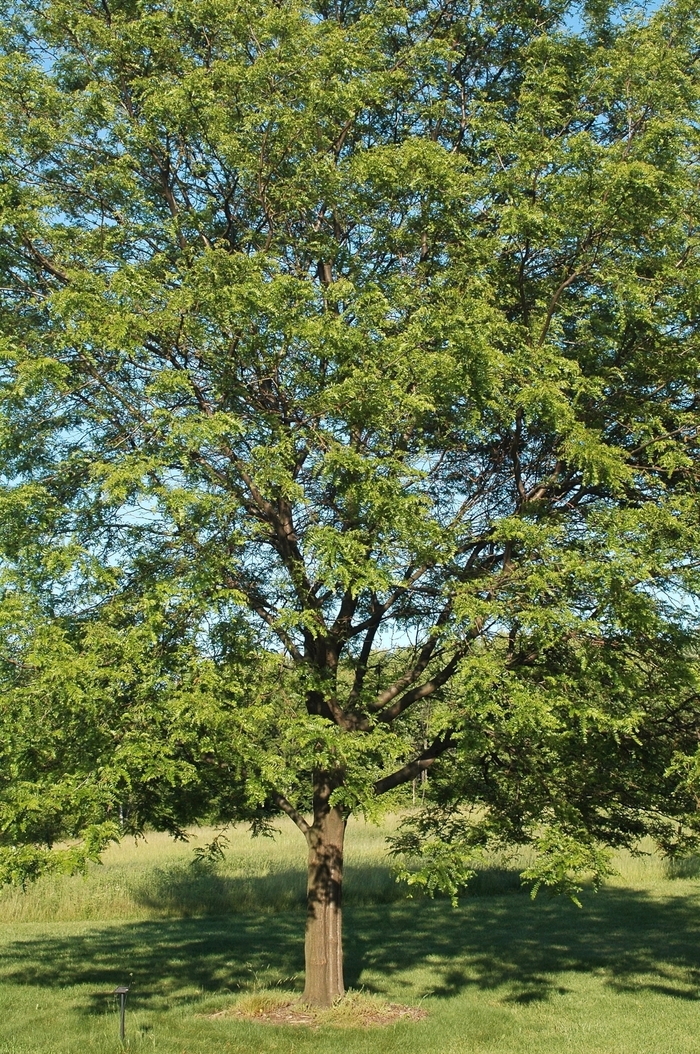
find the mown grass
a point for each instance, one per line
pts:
(499, 974)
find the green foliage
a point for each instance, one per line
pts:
(563, 860)
(434, 854)
(349, 422)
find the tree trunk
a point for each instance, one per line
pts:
(324, 945)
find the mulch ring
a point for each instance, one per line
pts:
(355, 1011)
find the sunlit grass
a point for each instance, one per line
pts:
(157, 877)
(498, 975)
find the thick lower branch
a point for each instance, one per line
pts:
(289, 809)
(414, 768)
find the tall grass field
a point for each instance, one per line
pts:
(499, 974)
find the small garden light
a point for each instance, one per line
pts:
(121, 991)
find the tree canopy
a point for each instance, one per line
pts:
(349, 427)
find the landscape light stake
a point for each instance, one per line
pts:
(121, 991)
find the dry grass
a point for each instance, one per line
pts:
(356, 1010)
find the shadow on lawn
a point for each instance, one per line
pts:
(503, 943)
(183, 890)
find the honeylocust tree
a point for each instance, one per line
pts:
(349, 428)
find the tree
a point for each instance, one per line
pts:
(350, 427)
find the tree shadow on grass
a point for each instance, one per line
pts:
(631, 940)
(502, 943)
(165, 962)
(183, 890)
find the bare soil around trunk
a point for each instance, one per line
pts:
(356, 1010)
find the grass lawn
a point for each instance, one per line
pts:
(499, 974)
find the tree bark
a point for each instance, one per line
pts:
(324, 945)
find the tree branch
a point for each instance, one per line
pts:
(363, 662)
(424, 657)
(287, 807)
(372, 622)
(44, 261)
(422, 691)
(414, 768)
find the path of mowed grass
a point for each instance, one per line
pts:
(499, 974)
